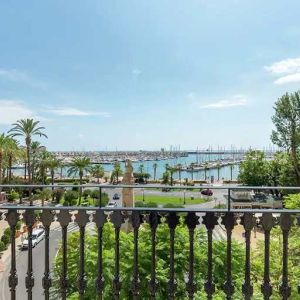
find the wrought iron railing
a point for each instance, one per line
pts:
(193, 217)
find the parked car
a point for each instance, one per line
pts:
(207, 192)
(37, 236)
(116, 196)
(111, 204)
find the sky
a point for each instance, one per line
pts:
(131, 75)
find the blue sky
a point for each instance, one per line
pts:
(148, 74)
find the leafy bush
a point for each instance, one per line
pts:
(145, 204)
(86, 193)
(13, 196)
(18, 225)
(58, 194)
(7, 232)
(95, 194)
(139, 204)
(104, 200)
(162, 258)
(171, 205)
(5, 239)
(3, 247)
(75, 188)
(71, 198)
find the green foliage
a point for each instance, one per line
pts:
(71, 198)
(116, 173)
(254, 170)
(13, 196)
(141, 177)
(166, 177)
(276, 255)
(292, 201)
(18, 225)
(172, 205)
(7, 231)
(5, 239)
(86, 193)
(287, 127)
(58, 194)
(145, 204)
(3, 246)
(162, 262)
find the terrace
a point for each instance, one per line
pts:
(133, 220)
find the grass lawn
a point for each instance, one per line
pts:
(169, 199)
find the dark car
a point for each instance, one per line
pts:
(116, 197)
(207, 192)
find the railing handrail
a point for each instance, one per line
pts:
(148, 186)
(148, 209)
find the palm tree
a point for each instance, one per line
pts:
(154, 170)
(231, 170)
(179, 167)
(13, 153)
(35, 150)
(117, 171)
(141, 168)
(218, 168)
(98, 172)
(3, 149)
(205, 169)
(79, 165)
(27, 128)
(192, 166)
(172, 170)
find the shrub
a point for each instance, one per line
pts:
(13, 196)
(104, 199)
(75, 188)
(71, 198)
(86, 193)
(171, 205)
(5, 239)
(58, 194)
(139, 204)
(2, 246)
(95, 194)
(7, 232)
(18, 225)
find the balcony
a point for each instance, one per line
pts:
(30, 273)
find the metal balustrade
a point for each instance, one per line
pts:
(193, 217)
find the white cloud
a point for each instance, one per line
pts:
(18, 76)
(71, 111)
(286, 66)
(12, 110)
(235, 101)
(291, 78)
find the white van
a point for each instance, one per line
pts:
(37, 236)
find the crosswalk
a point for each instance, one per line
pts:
(72, 227)
(219, 233)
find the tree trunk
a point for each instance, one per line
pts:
(28, 159)
(80, 189)
(52, 182)
(9, 168)
(295, 163)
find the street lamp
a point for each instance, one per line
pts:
(183, 197)
(143, 195)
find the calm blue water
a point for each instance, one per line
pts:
(198, 175)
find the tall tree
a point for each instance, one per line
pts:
(35, 150)
(98, 172)
(179, 167)
(79, 165)
(154, 170)
(192, 167)
(3, 149)
(27, 128)
(116, 172)
(254, 169)
(287, 127)
(13, 153)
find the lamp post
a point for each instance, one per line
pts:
(183, 197)
(143, 195)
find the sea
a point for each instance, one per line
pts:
(211, 175)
